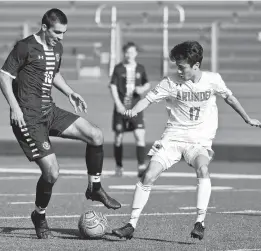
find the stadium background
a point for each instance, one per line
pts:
(87, 54)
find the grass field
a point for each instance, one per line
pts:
(233, 220)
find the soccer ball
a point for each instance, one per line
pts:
(92, 225)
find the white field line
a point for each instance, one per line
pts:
(134, 174)
(168, 187)
(144, 214)
(107, 215)
(192, 208)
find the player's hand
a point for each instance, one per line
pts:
(130, 113)
(17, 117)
(78, 102)
(120, 109)
(139, 90)
(254, 122)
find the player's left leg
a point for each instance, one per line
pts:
(139, 135)
(200, 164)
(71, 126)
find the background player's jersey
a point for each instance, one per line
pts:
(33, 68)
(192, 109)
(126, 78)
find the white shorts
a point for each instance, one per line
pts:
(169, 153)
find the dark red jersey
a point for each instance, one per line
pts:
(33, 67)
(126, 78)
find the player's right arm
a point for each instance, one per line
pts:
(115, 94)
(162, 91)
(9, 72)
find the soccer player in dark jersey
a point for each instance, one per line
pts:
(33, 68)
(128, 83)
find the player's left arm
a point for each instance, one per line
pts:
(76, 99)
(222, 90)
(235, 104)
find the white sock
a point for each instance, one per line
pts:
(140, 198)
(94, 178)
(203, 196)
(40, 210)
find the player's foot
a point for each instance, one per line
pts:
(41, 226)
(101, 196)
(119, 171)
(141, 170)
(126, 231)
(198, 231)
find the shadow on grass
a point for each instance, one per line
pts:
(21, 232)
(59, 233)
(73, 234)
(112, 238)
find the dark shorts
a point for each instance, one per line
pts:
(34, 138)
(122, 124)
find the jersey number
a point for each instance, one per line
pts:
(194, 113)
(48, 77)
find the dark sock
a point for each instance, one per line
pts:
(96, 186)
(94, 159)
(94, 162)
(140, 152)
(43, 193)
(118, 155)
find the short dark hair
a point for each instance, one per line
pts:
(191, 51)
(53, 16)
(128, 45)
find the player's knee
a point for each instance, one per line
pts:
(97, 137)
(148, 178)
(202, 171)
(140, 142)
(51, 177)
(118, 139)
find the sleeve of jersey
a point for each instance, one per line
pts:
(15, 60)
(221, 88)
(162, 91)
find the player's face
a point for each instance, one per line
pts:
(130, 54)
(185, 71)
(55, 34)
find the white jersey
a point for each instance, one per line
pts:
(192, 109)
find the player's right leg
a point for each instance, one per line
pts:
(140, 198)
(118, 152)
(34, 141)
(164, 155)
(50, 172)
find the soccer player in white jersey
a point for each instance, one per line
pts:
(190, 97)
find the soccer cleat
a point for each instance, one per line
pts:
(41, 226)
(126, 231)
(198, 231)
(101, 196)
(118, 171)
